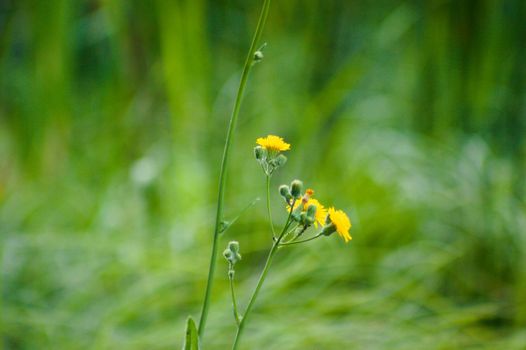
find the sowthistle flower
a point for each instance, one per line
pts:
(338, 221)
(304, 212)
(268, 153)
(320, 214)
(273, 143)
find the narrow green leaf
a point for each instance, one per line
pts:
(225, 225)
(191, 341)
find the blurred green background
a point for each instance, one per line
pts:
(409, 115)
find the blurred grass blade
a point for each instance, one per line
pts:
(191, 340)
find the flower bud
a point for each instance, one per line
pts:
(284, 191)
(231, 253)
(259, 152)
(308, 221)
(311, 211)
(227, 254)
(303, 216)
(280, 161)
(233, 246)
(295, 188)
(296, 216)
(258, 56)
(328, 229)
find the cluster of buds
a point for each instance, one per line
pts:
(232, 255)
(292, 192)
(268, 153)
(269, 161)
(303, 208)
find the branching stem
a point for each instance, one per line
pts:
(222, 175)
(262, 278)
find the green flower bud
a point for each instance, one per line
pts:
(280, 161)
(231, 253)
(258, 56)
(328, 229)
(303, 218)
(295, 188)
(284, 191)
(227, 254)
(260, 153)
(233, 246)
(296, 216)
(311, 211)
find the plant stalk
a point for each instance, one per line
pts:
(224, 163)
(269, 210)
(262, 278)
(303, 241)
(234, 301)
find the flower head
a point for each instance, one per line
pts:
(273, 143)
(321, 211)
(341, 222)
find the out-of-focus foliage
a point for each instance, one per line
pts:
(410, 115)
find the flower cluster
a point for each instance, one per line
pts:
(268, 153)
(232, 255)
(307, 212)
(304, 212)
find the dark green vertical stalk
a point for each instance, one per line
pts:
(224, 162)
(262, 278)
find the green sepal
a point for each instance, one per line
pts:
(191, 340)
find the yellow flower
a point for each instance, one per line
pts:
(342, 223)
(321, 211)
(273, 143)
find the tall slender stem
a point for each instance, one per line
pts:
(268, 209)
(262, 278)
(224, 162)
(234, 301)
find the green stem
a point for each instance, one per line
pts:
(268, 209)
(224, 162)
(234, 302)
(262, 278)
(303, 241)
(288, 233)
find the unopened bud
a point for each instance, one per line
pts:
(311, 211)
(295, 188)
(227, 254)
(328, 229)
(296, 216)
(259, 152)
(303, 218)
(280, 160)
(258, 56)
(284, 191)
(233, 246)
(231, 253)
